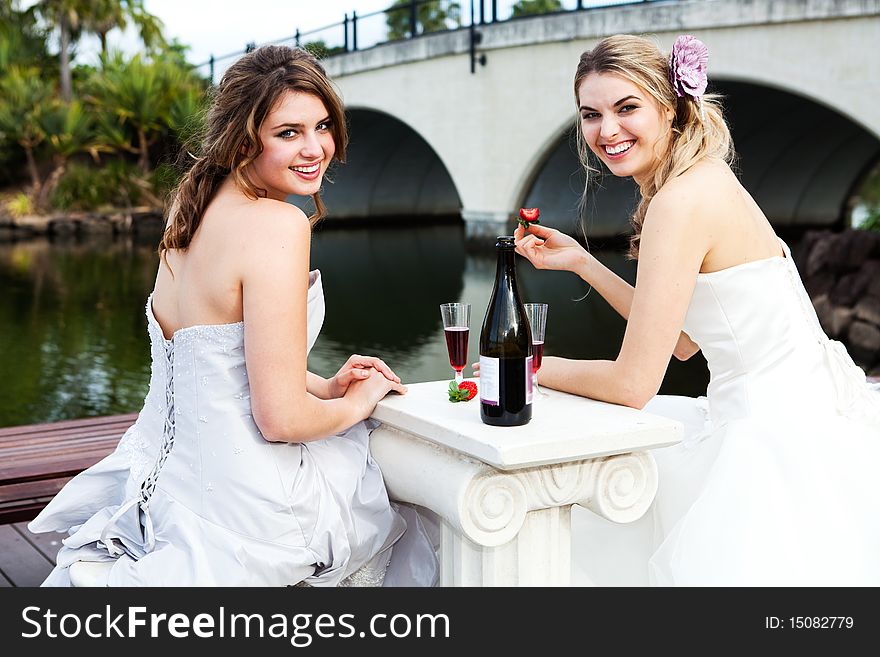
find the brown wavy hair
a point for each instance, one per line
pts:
(698, 131)
(230, 141)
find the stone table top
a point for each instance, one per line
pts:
(563, 428)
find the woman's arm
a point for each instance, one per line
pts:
(672, 249)
(547, 248)
(274, 276)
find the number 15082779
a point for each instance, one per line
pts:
(809, 623)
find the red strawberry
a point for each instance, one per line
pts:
(528, 217)
(470, 387)
(465, 391)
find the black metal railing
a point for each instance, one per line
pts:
(410, 19)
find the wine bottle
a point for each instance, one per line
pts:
(505, 348)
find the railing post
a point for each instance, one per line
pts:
(345, 30)
(580, 4)
(475, 38)
(495, 10)
(482, 12)
(211, 65)
(354, 30)
(413, 18)
(296, 38)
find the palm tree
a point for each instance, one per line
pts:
(75, 17)
(137, 101)
(66, 16)
(68, 127)
(22, 94)
(107, 15)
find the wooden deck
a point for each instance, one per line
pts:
(25, 558)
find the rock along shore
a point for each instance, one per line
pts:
(77, 224)
(841, 272)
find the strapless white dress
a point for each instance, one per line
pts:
(195, 496)
(775, 481)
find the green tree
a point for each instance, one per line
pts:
(430, 16)
(320, 49)
(22, 94)
(138, 102)
(69, 130)
(107, 15)
(73, 18)
(532, 7)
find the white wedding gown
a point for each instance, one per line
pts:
(194, 496)
(775, 482)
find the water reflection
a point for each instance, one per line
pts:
(73, 339)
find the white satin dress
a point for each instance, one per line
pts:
(776, 480)
(194, 496)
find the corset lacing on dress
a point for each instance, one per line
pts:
(856, 398)
(142, 500)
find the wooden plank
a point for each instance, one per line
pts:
(30, 489)
(48, 433)
(22, 510)
(66, 466)
(49, 437)
(48, 544)
(36, 460)
(20, 561)
(67, 424)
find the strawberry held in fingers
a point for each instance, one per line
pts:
(528, 217)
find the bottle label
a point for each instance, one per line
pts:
(489, 380)
(529, 379)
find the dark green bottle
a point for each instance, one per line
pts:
(505, 348)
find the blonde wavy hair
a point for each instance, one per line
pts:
(699, 131)
(230, 140)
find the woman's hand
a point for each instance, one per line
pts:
(547, 248)
(368, 391)
(358, 368)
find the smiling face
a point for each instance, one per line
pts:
(623, 125)
(297, 147)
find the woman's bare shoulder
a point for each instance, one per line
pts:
(704, 186)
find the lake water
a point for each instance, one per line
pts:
(73, 340)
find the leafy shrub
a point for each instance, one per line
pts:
(20, 205)
(88, 188)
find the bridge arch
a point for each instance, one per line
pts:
(391, 172)
(799, 158)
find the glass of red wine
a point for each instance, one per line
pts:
(537, 314)
(456, 327)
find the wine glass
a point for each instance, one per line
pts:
(537, 314)
(456, 327)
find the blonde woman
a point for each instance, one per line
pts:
(243, 468)
(774, 483)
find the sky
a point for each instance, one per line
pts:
(220, 27)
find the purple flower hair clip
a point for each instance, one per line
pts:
(687, 67)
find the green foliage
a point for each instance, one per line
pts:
(873, 220)
(22, 94)
(430, 16)
(20, 205)
(69, 129)
(146, 105)
(138, 101)
(532, 7)
(163, 179)
(320, 49)
(89, 188)
(868, 196)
